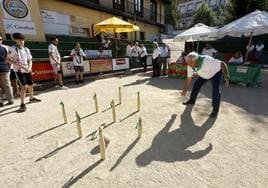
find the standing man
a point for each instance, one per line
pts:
(209, 50)
(55, 60)
(164, 54)
(78, 56)
(259, 49)
(143, 56)
(135, 55)
(207, 68)
(4, 75)
(21, 59)
(156, 55)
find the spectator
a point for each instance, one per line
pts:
(164, 54)
(4, 75)
(100, 53)
(156, 55)
(143, 56)
(237, 59)
(55, 60)
(182, 58)
(106, 43)
(78, 56)
(22, 65)
(209, 50)
(135, 54)
(259, 49)
(128, 49)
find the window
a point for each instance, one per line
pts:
(198, 5)
(190, 7)
(142, 35)
(212, 3)
(153, 10)
(188, 23)
(183, 9)
(139, 8)
(119, 4)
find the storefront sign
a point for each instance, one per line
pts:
(120, 63)
(68, 68)
(13, 26)
(101, 65)
(42, 71)
(16, 9)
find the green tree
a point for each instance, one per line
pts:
(172, 14)
(204, 15)
(239, 8)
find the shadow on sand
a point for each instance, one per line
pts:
(172, 146)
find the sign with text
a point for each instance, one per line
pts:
(94, 53)
(16, 9)
(120, 63)
(68, 68)
(42, 71)
(101, 65)
(13, 26)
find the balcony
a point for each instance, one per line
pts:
(128, 10)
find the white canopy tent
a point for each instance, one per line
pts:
(199, 32)
(255, 23)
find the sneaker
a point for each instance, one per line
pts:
(10, 103)
(33, 100)
(1, 104)
(63, 87)
(188, 103)
(23, 107)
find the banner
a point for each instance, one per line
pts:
(101, 65)
(13, 26)
(120, 63)
(68, 68)
(177, 70)
(93, 53)
(42, 71)
(16, 9)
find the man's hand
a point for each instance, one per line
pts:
(183, 93)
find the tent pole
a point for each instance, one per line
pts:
(250, 39)
(197, 46)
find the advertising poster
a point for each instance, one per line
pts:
(101, 65)
(42, 71)
(120, 63)
(68, 69)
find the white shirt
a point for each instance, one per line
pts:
(250, 48)
(236, 60)
(210, 52)
(55, 54)
(163, 52)
(259, 47)
(78, 60)
(135, 51)
(156, 53)
(209, 67)
(128, 50)
(143, 51)
(105, 43)
(21, 58)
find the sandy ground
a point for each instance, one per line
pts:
(180, 147)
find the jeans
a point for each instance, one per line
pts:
(5, 84)
(216, 94)
(156, 69)
(258, 54)
(144, 62)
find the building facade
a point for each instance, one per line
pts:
(38, 18)
(188, 8)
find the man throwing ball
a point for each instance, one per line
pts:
(207, 68)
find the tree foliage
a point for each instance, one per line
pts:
(238, 8)
(172, 14)
(204, 15)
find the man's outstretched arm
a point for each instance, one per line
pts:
(187, 84)
(225, 72)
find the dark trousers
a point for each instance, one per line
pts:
(216, 95)
(144, 62)
(156, 67)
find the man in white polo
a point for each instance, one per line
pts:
(207, 68)
(55, 61)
